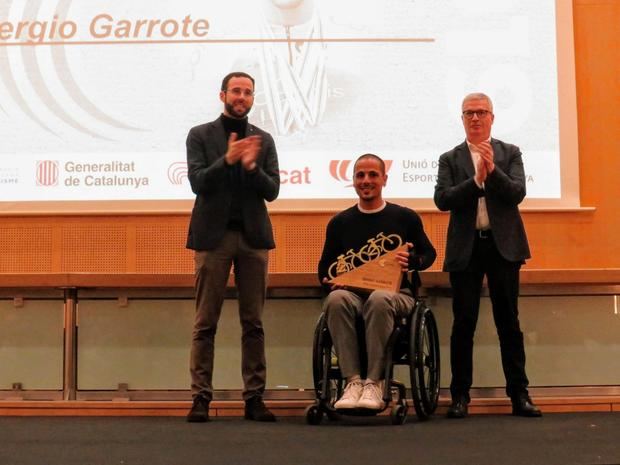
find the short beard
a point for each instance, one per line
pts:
(230, 109)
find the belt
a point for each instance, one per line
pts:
(484, 234)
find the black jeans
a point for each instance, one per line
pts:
(503, 282)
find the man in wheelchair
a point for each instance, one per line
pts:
(362, 229)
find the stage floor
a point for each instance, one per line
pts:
(560, 438)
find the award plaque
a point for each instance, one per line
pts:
(372, 268)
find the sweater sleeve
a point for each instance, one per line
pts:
(422, 254)
(331, 249)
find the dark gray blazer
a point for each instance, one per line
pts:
(504, 189)
(209, 177)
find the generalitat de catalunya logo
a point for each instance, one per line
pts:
(177, 172)
(47, 173)
(342, 170)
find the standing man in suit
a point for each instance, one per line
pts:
(482, 182)
(233, 170)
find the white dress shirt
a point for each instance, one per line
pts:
(482, 217)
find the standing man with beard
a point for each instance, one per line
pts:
(233, 170)
(482, 182)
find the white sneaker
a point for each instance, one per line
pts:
(351, 395)
(372, 396)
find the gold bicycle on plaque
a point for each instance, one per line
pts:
(376, 246)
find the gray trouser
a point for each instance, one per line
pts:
(378, 312)
(212, 272)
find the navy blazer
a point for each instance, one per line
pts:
(504, 189)
(210, 179)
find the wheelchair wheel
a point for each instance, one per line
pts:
(398, 415)
(314, 415)
(328, 383)
(317, 355)
(424, 361)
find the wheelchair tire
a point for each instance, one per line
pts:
(322, 357)
(314, 415)
(424, 364)
(316, 354)
(398, 415)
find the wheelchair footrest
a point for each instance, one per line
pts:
(359, 412)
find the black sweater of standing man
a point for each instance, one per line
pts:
(239, 127)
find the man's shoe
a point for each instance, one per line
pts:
(523, 406)
(352, 393)
(458, 408)
(255, 409)
(372, 396)
(199, 412)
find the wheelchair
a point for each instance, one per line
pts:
(413, 342)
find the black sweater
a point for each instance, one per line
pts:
(240, 127)
(351, 229)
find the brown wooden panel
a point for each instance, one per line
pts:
(160, 248)
(304, 244)
(597, 66)
(438, 235)
(94, 248)
(25, 248)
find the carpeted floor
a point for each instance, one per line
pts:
(562, 439)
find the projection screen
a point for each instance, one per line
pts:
(97, 97)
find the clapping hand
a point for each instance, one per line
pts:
(245, 150)
(486, 154)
